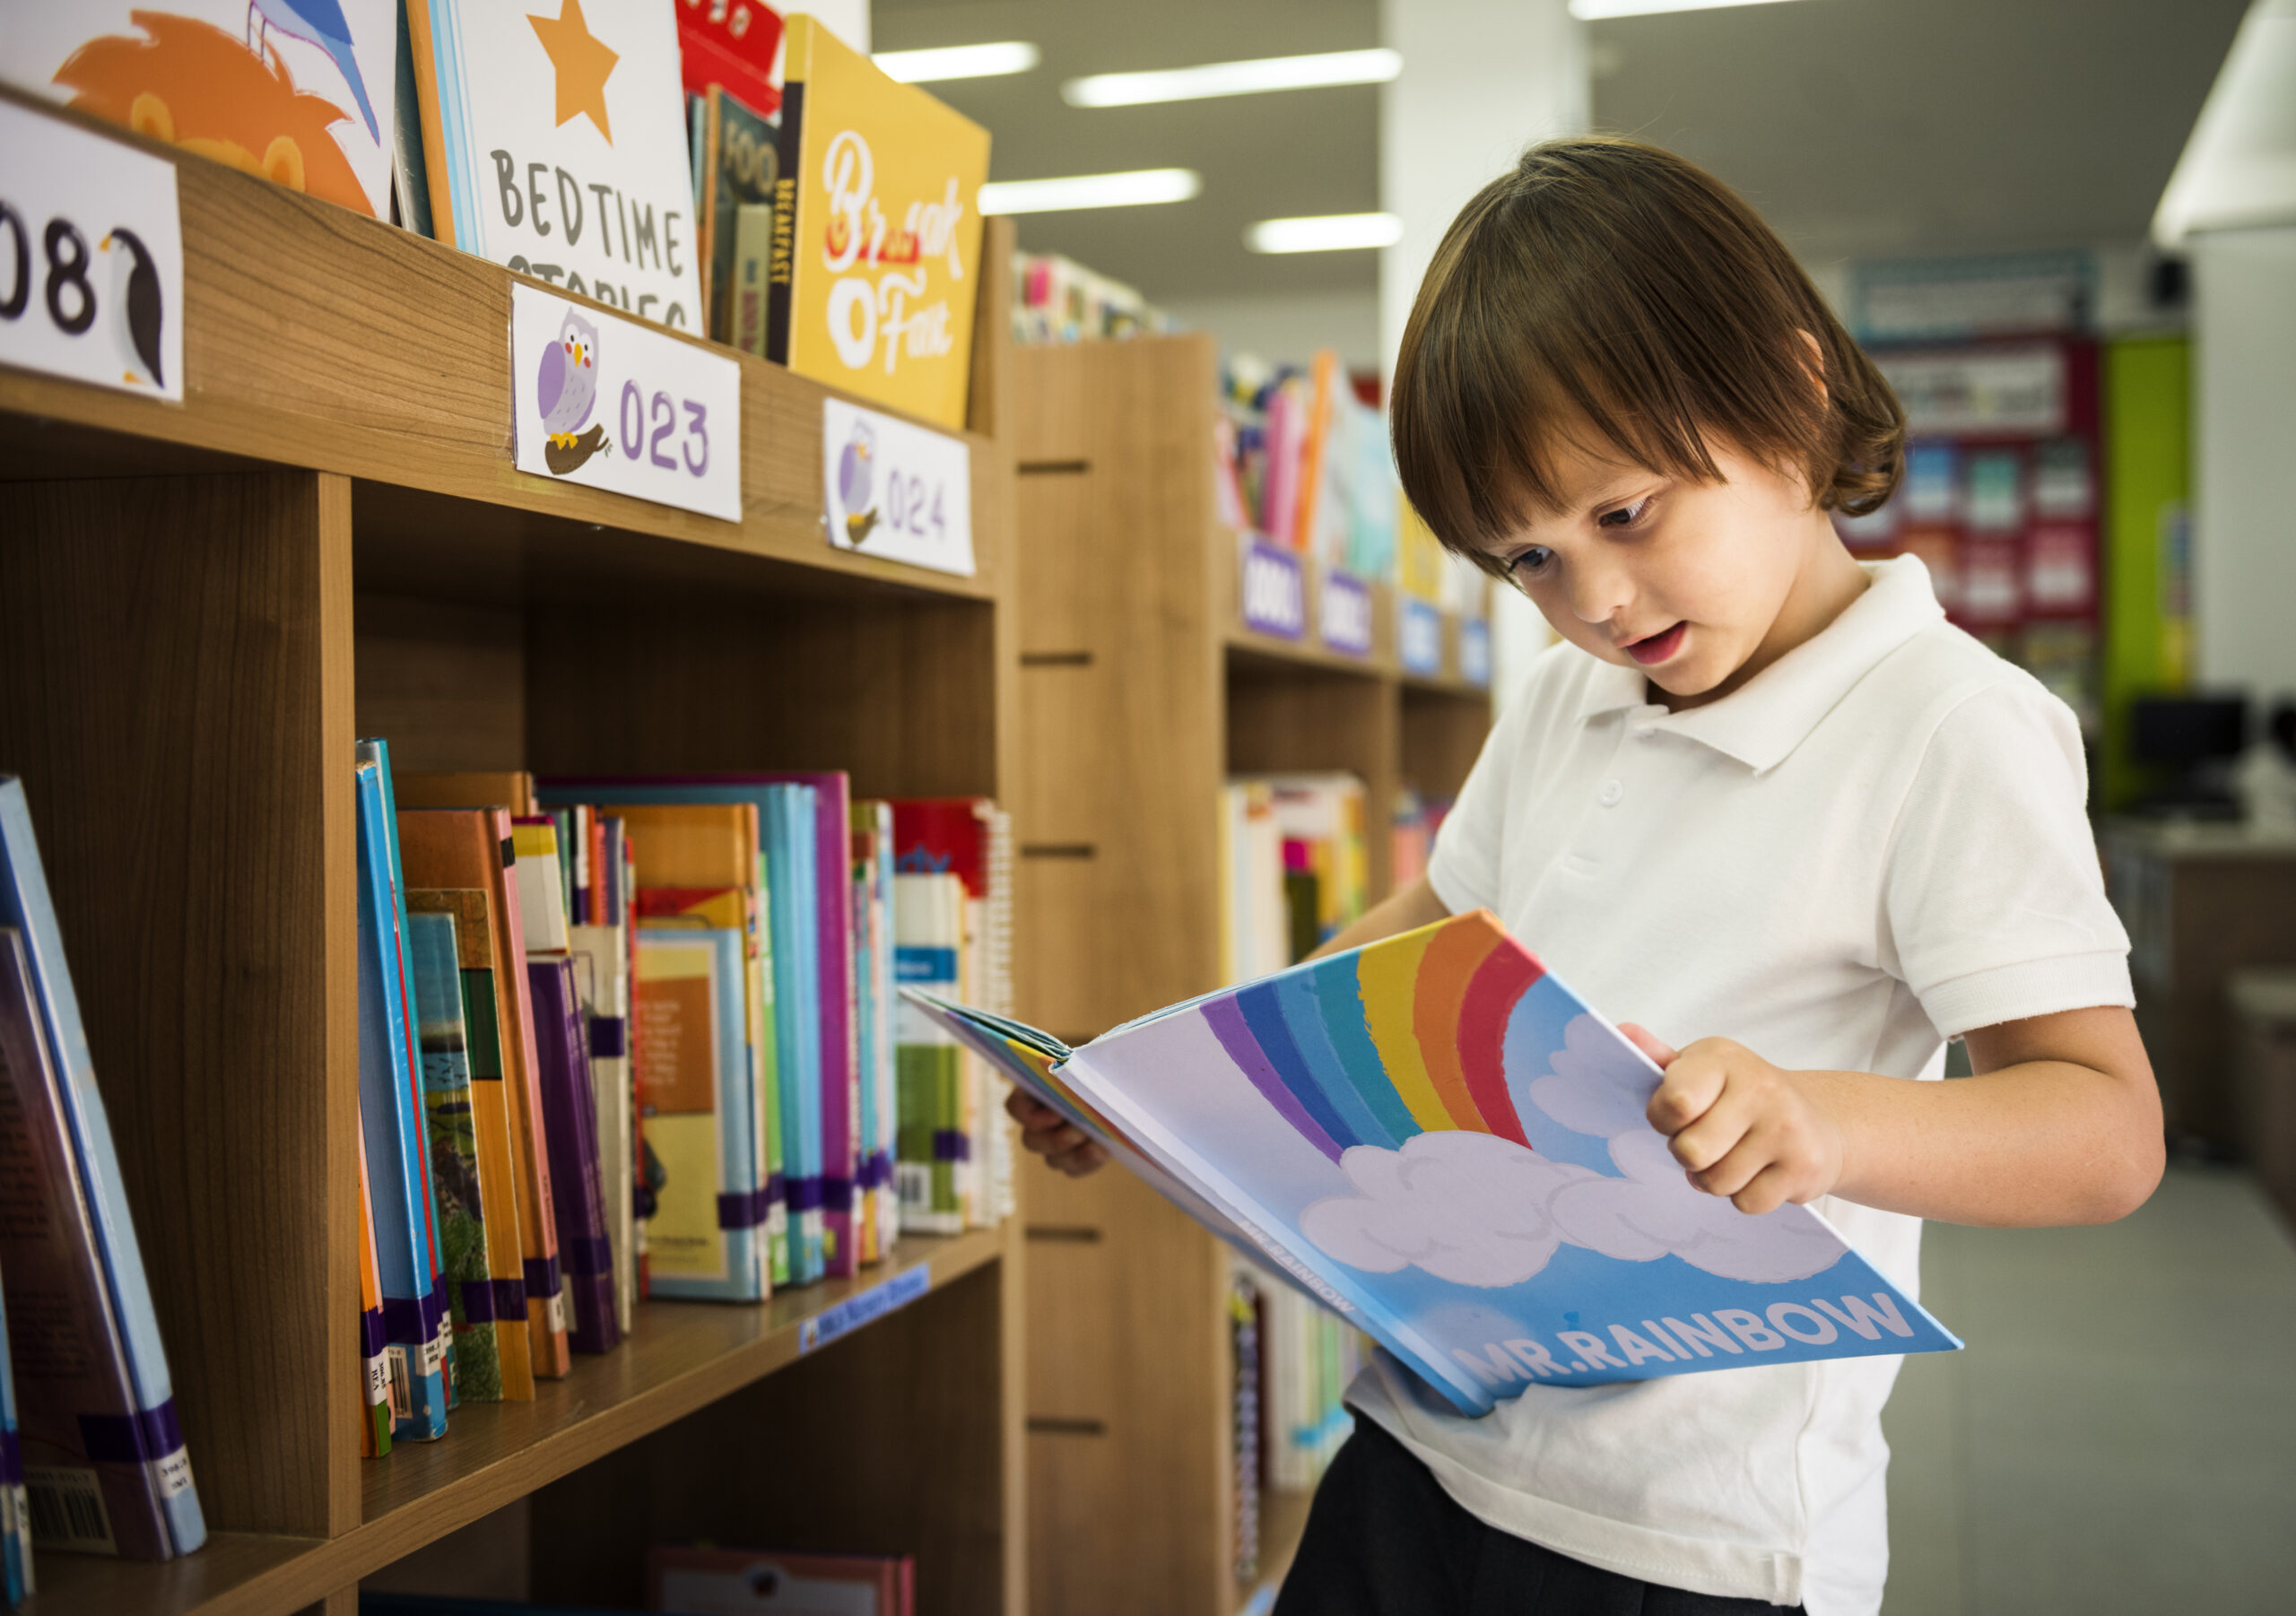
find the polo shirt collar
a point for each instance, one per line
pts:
(1761, 724)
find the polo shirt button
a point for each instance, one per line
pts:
(1611, 793)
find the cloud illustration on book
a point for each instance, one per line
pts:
(1479, 1210)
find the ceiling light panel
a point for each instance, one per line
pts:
(1137, 188)
(1234, 78)
(1324, 233)
(957, 62)
(1601, 11)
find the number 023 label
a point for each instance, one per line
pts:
(617, 405)
(90, 257)
(894, 489)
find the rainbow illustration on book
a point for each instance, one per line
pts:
(1435, 1137)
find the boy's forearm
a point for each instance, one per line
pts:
(1407, 910)
(2032, 1143)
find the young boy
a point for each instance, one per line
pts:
(1766, 801)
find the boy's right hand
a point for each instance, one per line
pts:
(1050, 1135)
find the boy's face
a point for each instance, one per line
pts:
(1700, 584)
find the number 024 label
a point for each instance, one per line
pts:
(617, 405)
(90, 257)
(894, 489)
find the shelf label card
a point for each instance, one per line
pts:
(864, 1306)
(1346, 614)
(895, 489)
(90, 257)
(1420, 638)
(610, 403)
(1475, 651)
(1274, 590)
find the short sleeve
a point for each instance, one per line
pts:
(1994, 902)
(1464, 866)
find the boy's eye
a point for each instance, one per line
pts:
(1530, 563)
(1625, 516)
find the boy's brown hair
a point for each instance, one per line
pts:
(1603, 281)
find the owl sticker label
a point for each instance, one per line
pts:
(90, 257)
(895, 489)
(614, 404)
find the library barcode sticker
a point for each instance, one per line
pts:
(863, 1306)
(90, 257)
(1346, 614)
(612, 404)
(1420, 638)
(67, 1508)
(895, 489)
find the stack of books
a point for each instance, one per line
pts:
(1417, 819)
(1307, 1357)
(698, 166)
(627, 1037)
(1295, 868)
(92, 1454)
(1056, 299)
(1302, 461)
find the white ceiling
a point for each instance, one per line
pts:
(1859, 127)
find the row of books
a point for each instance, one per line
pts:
(92, 1454)
(1294, 1361)
(1056, 299)
(639, 1036)
(1295, 868)
(1302, 461)
(702, 1580)
(639, 155)
(1417, 820)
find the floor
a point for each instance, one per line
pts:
(2120, 1435)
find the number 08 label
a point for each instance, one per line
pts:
(613, 405)
(90, 257)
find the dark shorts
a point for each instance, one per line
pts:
(1383, 1539)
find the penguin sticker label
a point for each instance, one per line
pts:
(895, 489)
(90, 257)
(615, 404)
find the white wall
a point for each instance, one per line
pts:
(1481, 79)
(2244, 457)
(1286, 330)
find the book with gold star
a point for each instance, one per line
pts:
(555, 140)
(876, 233)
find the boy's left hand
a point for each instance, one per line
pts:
(1740, 1126)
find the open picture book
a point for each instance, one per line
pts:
(1439, 1140)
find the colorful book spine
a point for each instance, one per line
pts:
(92, 1483)
(465, 849)
(456, 1165)
(570, 1129)
(874, 1010)
(501, 1299)
(16, 1510)
(400, 955)
(703, 1240)
(787, 834)
(601, 955)
(391, 1125)
(374, 1377)
(928, 920)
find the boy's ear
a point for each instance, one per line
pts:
(1813, 361)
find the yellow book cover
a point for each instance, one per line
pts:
(1419, 554)
(876, 232)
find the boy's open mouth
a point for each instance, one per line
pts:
(1655, 648)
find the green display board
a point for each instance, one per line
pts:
(2148, 566)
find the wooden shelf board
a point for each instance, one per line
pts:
(682, 1357)
(1283, 1517)
(1417, 685)
(319, 339)
(1251, 646)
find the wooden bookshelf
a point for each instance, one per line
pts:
(201, 607)
(1140, 691)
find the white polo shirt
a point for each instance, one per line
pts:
(1877, 843)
